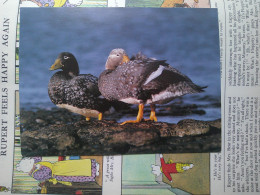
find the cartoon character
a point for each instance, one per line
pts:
(51, 3)
(191, 3)
(170, 167)
(64, 172)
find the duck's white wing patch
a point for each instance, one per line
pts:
(154, 74)
(163, 97)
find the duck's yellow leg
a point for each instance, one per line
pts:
(100, 116)
(139, 116)
(152, 115)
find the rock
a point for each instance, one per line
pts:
(60, 132)
(108, 138)
(39, 120)
(216, 123)
(191, 127)
(134, 138)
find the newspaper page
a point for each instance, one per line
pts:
(235, 170)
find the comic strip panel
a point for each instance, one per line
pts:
(169, 3)
(166, 174)
(63, 3)
(58, 175)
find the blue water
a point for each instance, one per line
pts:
(186, 38)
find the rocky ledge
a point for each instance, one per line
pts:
(109, 137)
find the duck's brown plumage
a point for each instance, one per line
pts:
(130, 80)
(143, 80)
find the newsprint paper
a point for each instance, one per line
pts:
(235, 170)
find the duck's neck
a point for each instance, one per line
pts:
(72, 70)
(111, 64)
(72, 74)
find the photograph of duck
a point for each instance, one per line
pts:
(142, 81)
(107, 81)
(77, 93)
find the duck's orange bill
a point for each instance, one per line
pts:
(125, 59)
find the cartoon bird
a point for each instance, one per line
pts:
(76, 92)
(142, 81)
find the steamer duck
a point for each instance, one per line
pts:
(141, 80)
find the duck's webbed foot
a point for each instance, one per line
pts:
(152, 115)
(139, 117)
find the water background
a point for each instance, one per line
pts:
(187, 38)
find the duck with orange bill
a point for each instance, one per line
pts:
(142, 80)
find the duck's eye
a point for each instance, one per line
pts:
(117, 55)
(66, 57)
